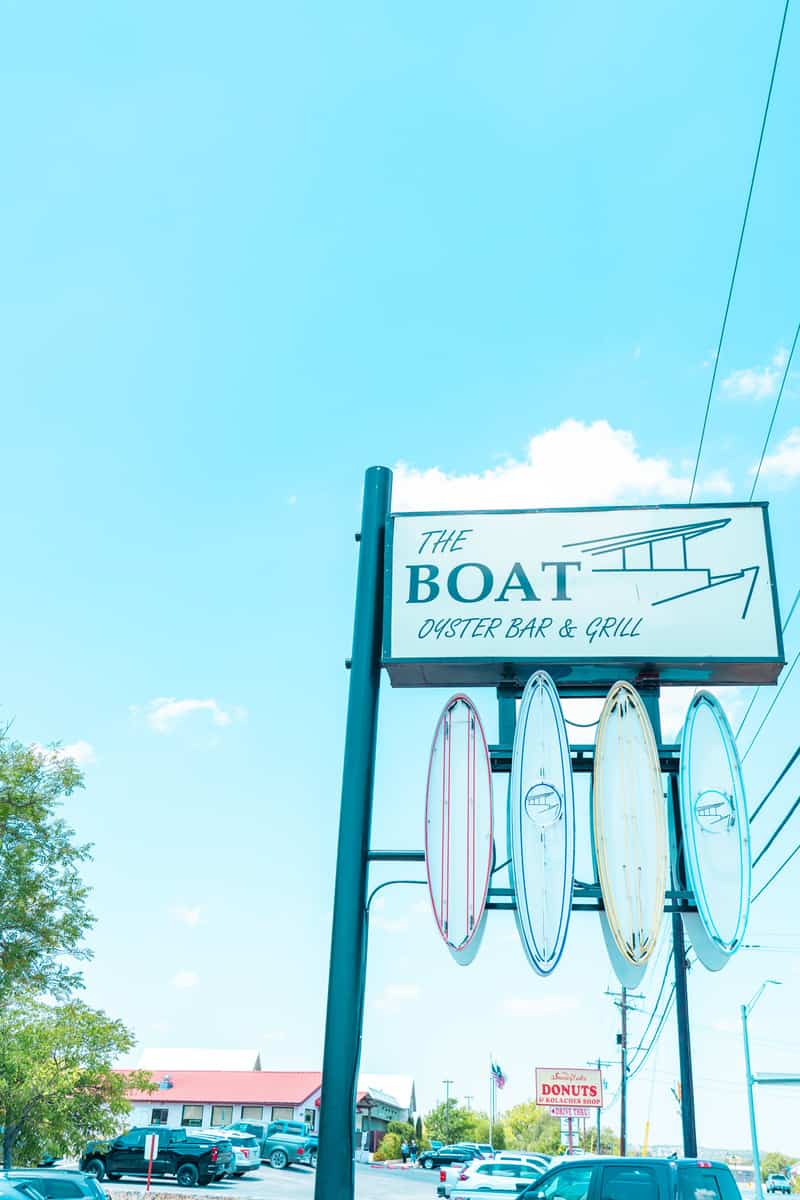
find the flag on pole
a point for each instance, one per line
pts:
(497, 1075)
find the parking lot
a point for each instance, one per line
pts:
(372, 1183)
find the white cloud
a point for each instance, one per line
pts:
(185, 979)
(539, 1006)
(163, 713)
(785, 462)
(81, 753)
(397, 995)
(390, 924)
(757, 383)
(188, 916)
(574, 464)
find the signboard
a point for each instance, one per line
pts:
(150, 1146)
(676, 594)
(568, 1113)
(568, 1086)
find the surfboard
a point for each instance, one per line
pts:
(541, 824)
(716, 832)
(629, 832)
(458, 827)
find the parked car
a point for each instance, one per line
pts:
(486, 1150)
(778, 1182)
(190, 1155)
(11, 1190)
(279, 1143)
(56, 1183)
(446, 1156)
(246, 1149)
(492, 1175)
(610, 1178)
(532, 1157)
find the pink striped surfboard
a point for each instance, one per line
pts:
(458, 827)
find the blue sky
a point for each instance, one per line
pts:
(248, 253)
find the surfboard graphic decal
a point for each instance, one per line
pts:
(458, 827)
(541, 824)
(629, 829)
(716, 832)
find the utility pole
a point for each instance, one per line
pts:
(468, 1103)
(599, 1063)
(623, 1004)
(447, 1083)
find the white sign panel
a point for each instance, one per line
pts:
(565, 1113)
(150, 1145)
(568, 1086)
(676, 594)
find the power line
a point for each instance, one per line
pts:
(774, 412)
(656, 1035)
(788, 816)
(765, 798)
(738, 252)
(775, 874)
(757, 690)
(784, 680)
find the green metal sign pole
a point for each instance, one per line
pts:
(346, 978)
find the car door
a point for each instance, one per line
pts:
(164, 1161)
(570, 1182)
(630, 1181)
(126, 1156)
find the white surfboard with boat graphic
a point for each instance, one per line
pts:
(541, 824)
(716, 832)
(458, 827)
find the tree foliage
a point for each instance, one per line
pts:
(528, 1127)
(43, 913)
(447, 1122)
(774, 1163)
(57, 1086)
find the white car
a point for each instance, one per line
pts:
(246, 1150)
(525, 1156)
(495, 1176)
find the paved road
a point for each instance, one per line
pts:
(372, 1183)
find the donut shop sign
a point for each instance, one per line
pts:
(569, 1087)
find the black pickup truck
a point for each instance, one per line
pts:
(191, 1157)
(590, 1178)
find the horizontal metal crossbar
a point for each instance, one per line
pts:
(583, 758)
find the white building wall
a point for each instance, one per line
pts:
(142, 1111)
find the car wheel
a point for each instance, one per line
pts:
(279, 1159)
(427, 1163)
(187, 1175)
(312, 1158)
(96, 1167)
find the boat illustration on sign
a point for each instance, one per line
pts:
(459, 844)
(658, 562)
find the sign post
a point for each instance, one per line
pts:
(150, 1151)
(344, 1018)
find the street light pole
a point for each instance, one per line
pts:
(746, 1010)
(447, 1083)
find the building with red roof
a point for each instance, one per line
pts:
(216, 1097)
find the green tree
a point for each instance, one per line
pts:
(418, 1129)
(773, 1163)
(57, 1086)
(404, 1130)
(528, 1127)
(449, 1123)
(43, 913)
(609, 1141)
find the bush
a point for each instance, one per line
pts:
(389, 1147)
